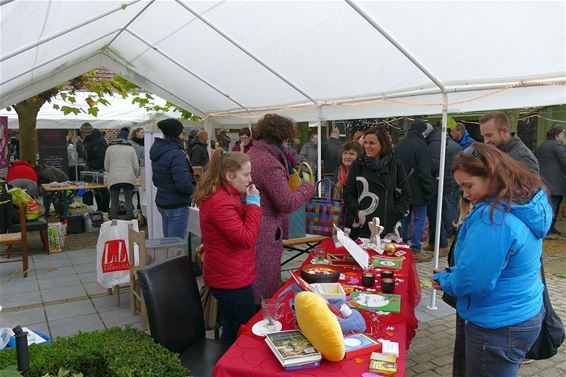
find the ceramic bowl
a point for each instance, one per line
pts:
(316, 273)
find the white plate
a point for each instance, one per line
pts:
(260, 329)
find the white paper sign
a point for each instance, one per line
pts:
(359, 254)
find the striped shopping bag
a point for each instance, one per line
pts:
(324, 212)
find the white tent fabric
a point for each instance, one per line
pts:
(232, 61)
(305, 59)
(120, 112)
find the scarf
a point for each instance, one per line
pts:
(138, 141)
(376, 165)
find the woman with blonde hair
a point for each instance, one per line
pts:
(230, 216)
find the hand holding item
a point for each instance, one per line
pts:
(252, 190)
(435, 284)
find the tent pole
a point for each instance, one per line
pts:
(129, 23)
(57, 35)
(4, 2)
(129, 70)
(156, 49)
(245, 51)
(57, 57)
(432, 305)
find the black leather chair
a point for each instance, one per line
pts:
(175, 316)
(38, 225)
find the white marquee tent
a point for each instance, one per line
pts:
(232, 61)
(120, 112)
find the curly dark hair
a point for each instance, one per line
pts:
(274, 129)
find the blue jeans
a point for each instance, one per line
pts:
(236, 307)
(499, 352)
(419, 217)
(174, 221)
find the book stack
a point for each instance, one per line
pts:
(385, 365)
(293, 350)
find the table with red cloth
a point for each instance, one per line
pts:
(250, 356)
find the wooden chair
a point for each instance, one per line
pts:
(136, 296)
(18, 238)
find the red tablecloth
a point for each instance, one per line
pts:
(249, 356)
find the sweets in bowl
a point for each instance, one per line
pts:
(316, 273)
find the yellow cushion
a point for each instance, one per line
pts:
(319, 325)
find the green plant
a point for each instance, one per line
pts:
(106, 353)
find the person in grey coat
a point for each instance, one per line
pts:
(137, 141)
(496, 130)
(551, 155)
(121, 168)
(309, 153)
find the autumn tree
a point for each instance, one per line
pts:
(99, 86)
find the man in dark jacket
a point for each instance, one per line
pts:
(95, 147)
(496, 130)
(412, 152)
(199, 152)
(551, 155)
(330, 151)
(450, 194)
(173, 177)
(48, 174)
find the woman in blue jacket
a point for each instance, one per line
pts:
(496, 276)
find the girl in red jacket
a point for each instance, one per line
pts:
(230, 216)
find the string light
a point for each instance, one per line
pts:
(519, 84)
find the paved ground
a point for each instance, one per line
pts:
(61, 297)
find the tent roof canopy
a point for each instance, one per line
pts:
(232, 61)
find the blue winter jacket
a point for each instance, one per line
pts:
(496, 276)
(172, 174)
(467, 140)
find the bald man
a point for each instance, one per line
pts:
(199, 153)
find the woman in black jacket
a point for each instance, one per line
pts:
(377, 186)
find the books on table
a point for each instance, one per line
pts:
(292, 349)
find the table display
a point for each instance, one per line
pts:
(250, 356)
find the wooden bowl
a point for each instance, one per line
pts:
(316, 273)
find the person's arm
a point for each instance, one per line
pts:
(241, 233)
(560, 153)
(424, 175)
(182, 178)
(351, 195)
(403, 193)
(484, 251)
(135, 162)
(280, 195)
(106, 163)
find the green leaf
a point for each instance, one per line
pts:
(93, 111)
(55, 106)
(72, 99)
(63, 96)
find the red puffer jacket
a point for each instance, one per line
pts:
(229, 230)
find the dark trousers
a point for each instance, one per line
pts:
(556, 200)
(102, 197)
(446, 225)
(236, 307)
(459, 359)
(115, 200)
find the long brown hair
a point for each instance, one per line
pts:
(215, 173)
(510, 181)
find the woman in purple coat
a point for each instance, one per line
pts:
(270, 174)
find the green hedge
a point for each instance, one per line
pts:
(106, 353)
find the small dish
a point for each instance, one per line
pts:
(260, 328)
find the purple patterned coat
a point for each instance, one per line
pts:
(270, 174)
